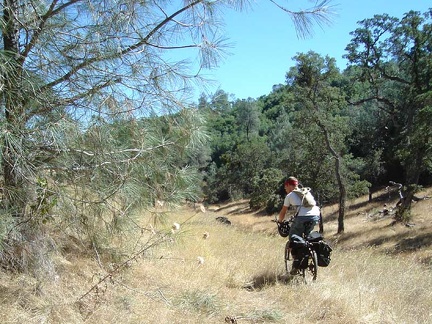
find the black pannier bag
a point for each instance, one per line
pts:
(299, 251)
(323, 250)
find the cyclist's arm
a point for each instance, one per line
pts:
(282, 213)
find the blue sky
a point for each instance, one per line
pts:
(264, 42)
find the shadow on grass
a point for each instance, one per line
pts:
(402, 242)
(348, 236)
(414, 243)
(380, 197)
(241, 209)
(427, 261)
(239, 204)
(266, 280)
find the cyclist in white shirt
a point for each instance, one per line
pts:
(304, 214)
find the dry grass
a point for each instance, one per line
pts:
(208, 272)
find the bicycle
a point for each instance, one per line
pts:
(308, 260)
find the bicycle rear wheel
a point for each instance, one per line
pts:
(310, 273)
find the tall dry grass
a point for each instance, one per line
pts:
(208, 272)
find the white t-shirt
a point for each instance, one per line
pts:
(292, 199)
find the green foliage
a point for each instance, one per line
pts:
(263, 187)
(45, 201)
(274, 203)
(276, 104)
(247, 117)
(391, 57)
(246, 162)
(212, 187)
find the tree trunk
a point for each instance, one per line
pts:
(13, 180)
(342, 198)
(342, 189)
(403, 213)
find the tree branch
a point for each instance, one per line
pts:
(302, 19)
(143, 41)
(43, 19)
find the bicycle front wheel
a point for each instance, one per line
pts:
(310, 273)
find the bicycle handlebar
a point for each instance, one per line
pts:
(285, 221)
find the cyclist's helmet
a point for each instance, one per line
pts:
(283, 229)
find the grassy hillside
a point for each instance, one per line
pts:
(207, 272)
